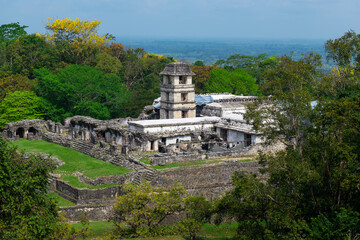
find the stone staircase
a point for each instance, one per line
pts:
(65, 196)
(51, 182)
(148, 174)
(81, 146)
(94, 151)
(116, 161)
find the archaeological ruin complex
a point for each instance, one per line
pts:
(179, 127)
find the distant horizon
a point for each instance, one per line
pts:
(199, 19)
(209, 50)
(172, 38)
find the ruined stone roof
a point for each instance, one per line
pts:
(237, 123)
(175, 122)
(177, 69)
(26, 123)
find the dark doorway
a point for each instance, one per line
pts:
(247, 140)
(152, 146)
(33, 131)
(20, 132)
(223, 134)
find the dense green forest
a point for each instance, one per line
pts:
(73, 70)
(313, 185)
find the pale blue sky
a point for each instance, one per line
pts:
(305, 19)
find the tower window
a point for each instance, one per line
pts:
(184, 97)
(182, 79)
(184, 114)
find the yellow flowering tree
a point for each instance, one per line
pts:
(75, 31)
(79, 39)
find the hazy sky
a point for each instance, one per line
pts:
(306, 19)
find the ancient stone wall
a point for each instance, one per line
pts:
(93, 212)
(162, 159)
(210, 181)
(212, 111)
(215, 152)
(104, 153)
(87, 196)
(113, 132)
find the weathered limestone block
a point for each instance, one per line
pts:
(93, 138)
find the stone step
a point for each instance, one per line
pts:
(50, 180)
(147, 174)
(82, 146)
(67, 197)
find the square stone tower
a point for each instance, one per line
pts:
(177, 92)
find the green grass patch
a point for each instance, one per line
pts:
(194, 163)
(60, 202)
(221, 231)
(74, 181)
(74, 162)
(145, 160)
(208, 231)
(97, 229)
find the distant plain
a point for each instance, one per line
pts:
(211, 50)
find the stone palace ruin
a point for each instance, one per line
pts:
(179, 127)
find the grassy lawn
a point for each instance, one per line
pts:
(97, 229)
(145, 160)
(60, 202)
(208, 231)
(74, 162)
(222, 231)
(196, 162)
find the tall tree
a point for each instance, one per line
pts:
(254, 65)
(108, 64)
(75, 31)
(344, 51)
(14, 83)
(345, 77)
(25, 211)
(291, 85)
(11, 32)
(8, 34)
(202, 76)
(83, 90)
(236, 82)
(18, 106)
(77, 40)
(140, 211)
(30, 52)
(315, 176)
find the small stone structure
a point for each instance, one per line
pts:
(29, 129)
